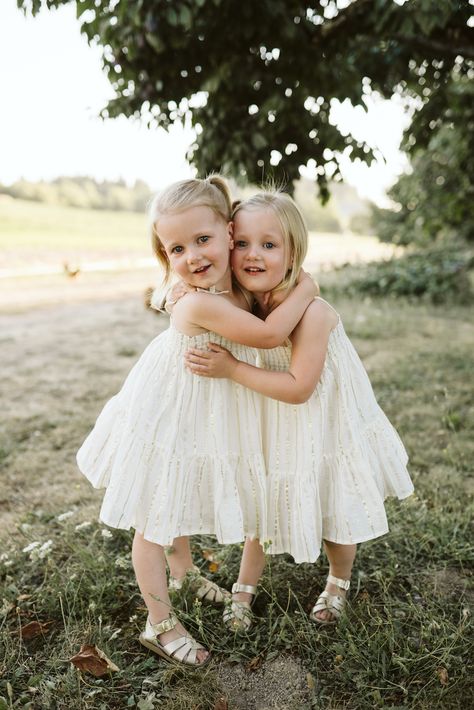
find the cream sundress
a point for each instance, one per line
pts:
(331, 461)
(180, 454)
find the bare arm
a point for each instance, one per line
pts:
(242, 327)
(295, 386)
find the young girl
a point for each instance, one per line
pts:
(166, 447)
(332, 460)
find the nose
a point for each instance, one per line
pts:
(193, 256)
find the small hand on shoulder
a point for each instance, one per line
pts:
(180, 289)
(216, 361)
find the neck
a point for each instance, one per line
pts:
(224, 283)
(262, 301)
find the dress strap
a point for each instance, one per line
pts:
(211, 289)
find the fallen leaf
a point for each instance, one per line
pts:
(208, 555)
(442, 674)
(221, 704)
(23, 597)
(310, 681)
(34, 628)
(213, 566)
(338, 659)
(364, 596)
(254, 663)
(93, 660)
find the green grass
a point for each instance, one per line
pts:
(36, 229)
(406, 642)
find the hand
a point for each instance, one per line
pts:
(216, 361)
(179, 290)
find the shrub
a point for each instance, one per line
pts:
(439, 275)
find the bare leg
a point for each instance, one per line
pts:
(179, 557)
(251, 568)
(341, 558)
(150, 569)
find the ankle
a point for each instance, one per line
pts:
(179, 573)
(242, 597)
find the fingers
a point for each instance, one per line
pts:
(197, 353)
(215, 348)
(196, 369)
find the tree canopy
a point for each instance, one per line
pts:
(256, 79)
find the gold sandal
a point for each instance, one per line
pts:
(238, 615)
(333, 603)
(205, 590)
(183, 649)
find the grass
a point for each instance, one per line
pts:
(33, 230)
(406, 641)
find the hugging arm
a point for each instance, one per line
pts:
(294, 386)
(240, 326)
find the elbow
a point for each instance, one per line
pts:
(300, 397)
(271, 341)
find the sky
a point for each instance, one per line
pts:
(52, 88)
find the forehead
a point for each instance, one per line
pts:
(257, 221)
(186, 224)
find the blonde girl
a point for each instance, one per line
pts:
(333, 459)
(166, 447)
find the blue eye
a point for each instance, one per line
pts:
(203, 239)
(269, 245)
(177, 250)
(240, 244)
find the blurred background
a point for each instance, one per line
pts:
(379, 177)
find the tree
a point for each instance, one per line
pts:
(434, 202)
(256, 79)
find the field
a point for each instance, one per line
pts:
(406, 641)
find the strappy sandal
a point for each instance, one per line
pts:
(205, 590)
(333, 603)
(238, 615)
(182, 650)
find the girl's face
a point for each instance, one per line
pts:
(260, 258)
(197, 243)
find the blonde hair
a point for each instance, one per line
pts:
(212, 191)
(293, 227)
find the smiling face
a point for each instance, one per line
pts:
(260, 259)
(197, 244)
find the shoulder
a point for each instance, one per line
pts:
(320, 316)
(199, 302)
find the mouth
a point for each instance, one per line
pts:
(202, 269)
(254, 270)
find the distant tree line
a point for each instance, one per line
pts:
(344, 211)
(83, 192)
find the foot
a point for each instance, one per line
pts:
(201, 656)
(205, 590)
(182, 647)
(238, 613)
(331, 602)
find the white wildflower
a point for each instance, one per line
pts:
(4, 556)
(39, 553)
(122, 563)
(83, 526)
(65, 516)
(133, 618)
(106, 533)
(31, 546)
(8, 563)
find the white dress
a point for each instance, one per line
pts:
(180, 454)
(331, 461)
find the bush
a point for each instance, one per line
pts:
(438, 275)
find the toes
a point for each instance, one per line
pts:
(202, 656)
